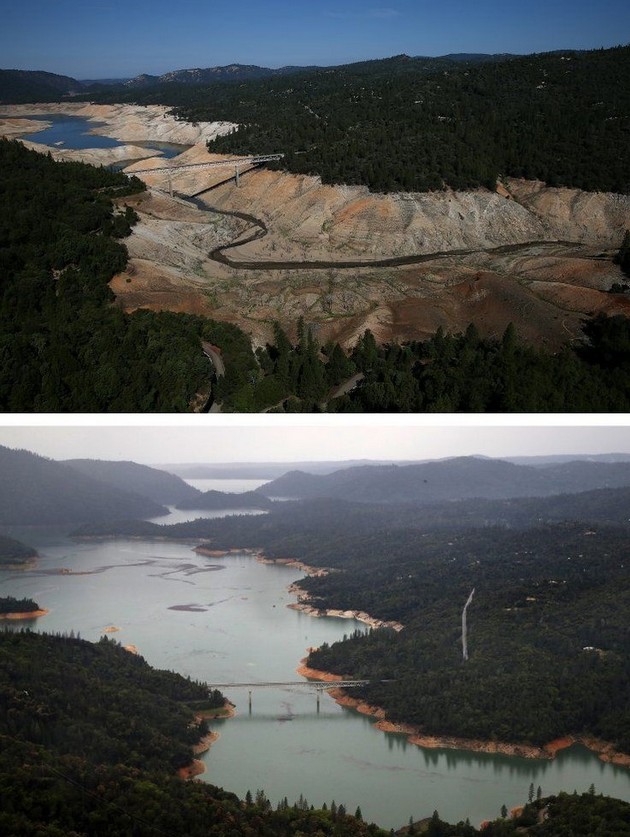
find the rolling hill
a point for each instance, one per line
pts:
(35, 86)
(451, 479)
(35, 491)
(157, 485)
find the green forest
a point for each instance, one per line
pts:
(548, 648)
(64, 345)
(468, 373)
(453, 373)
(9, 604)
(414, 124)
(564, 815)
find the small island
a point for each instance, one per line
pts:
(12, 608)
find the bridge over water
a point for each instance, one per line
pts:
(319, 685)
(270, 684)
(238, 163)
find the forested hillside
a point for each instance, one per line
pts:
(154, 483)
(316, 531)
(545, 621)
(64, 346)
(564, 815)
(460, 373)
(35, 86)
(41, 492)
(226, 500)
(412, 124)
(465, 373)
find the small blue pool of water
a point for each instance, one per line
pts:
(75, 132)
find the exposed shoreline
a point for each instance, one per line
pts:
(196, 766)
(415, 735)
(303, 604)
(29, 614)
(359, 615)
(603, 749)
(260, 556)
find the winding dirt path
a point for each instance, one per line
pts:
(218, 254)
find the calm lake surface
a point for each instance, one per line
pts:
(236, 486)
(74, 132)
(232, 625)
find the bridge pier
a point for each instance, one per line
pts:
(319, 685)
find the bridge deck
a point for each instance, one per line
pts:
(237, 161)
(319, 684)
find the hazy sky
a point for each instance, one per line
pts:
(113, 38)
(286, 439)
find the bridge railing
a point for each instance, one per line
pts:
(318, 684)
(236, 162)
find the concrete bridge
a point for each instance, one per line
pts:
(271, 684)
(238, 163)
(319, 685)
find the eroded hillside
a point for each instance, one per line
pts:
(536, 256)
(561, 271)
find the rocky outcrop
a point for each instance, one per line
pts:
(332, 222)
(597, 218)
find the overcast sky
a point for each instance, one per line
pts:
(118, 38)
(289, 439)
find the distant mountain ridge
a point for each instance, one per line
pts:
(39, 86)
(245, 72)
(262, 470)
(35, 491)
(35, 85)
(273, 470)
(208, 75)
(452, 479)
(156, 484)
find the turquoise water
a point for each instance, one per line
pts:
(232, 625)
(74, 132)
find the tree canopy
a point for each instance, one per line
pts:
(63, 346)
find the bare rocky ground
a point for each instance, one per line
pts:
(545, 289)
